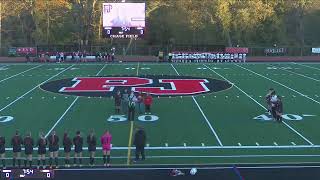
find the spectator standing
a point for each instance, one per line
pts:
(16, 143)
(42, 144)
(92, 146)
(140, 142)
(67, 143)
(2, 151)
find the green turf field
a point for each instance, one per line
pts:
(230, 126)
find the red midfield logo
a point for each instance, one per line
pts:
(155, 85)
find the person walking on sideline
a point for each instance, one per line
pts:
(106, 139)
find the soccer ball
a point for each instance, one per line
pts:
(193, 171)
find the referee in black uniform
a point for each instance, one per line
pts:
(2, 151)
(42, 144)
(92, 146)
(67, 143)
(53, 140)
(16, 143)
(78, 143)
(28, 149)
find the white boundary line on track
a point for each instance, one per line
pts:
(203, 115)
(70, 106)
(299, 134)
(20, 73)
(20, 97)
(302, 75)
(279, 84)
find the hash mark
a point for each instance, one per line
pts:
(293, 143)
(275, 143)
(239, 144)
(184, 144)
(202, 144)
(148, 145)
(166, 144)
(257, 144)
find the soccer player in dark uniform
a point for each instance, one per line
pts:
(92, 146)
(279, 110)
(67, 143)
(28, 149)
(2, 151)
(16, 143)
(117, 102)
(140, 142)
(53, 140)
(78, 143)
(42, 144)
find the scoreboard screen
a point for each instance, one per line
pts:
(124, 20)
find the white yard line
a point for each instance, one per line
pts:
(62, 116)
(286, 124)
(302, 75)
(70, 106)
(307, 66)
(20, 97)
(20, 73)
(279, 84)
(203, 115)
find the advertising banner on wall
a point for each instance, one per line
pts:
(207, 57)
(275, 51)
(237, 50)
(316, 50)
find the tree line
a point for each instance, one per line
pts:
(227, 22)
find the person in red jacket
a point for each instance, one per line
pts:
(148, 103)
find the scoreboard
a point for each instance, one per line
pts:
(124, 20)
(27, 173)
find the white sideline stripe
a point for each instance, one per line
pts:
(203, 147)
(20, 73)
(306, 66)
(204, 116)
(71, 105)
(20, 97)
(279, 84)
(260, 105)
(302, 75)
(62, 116)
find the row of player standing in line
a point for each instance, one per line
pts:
(52, 142)
(128, 103)
(275, 105)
